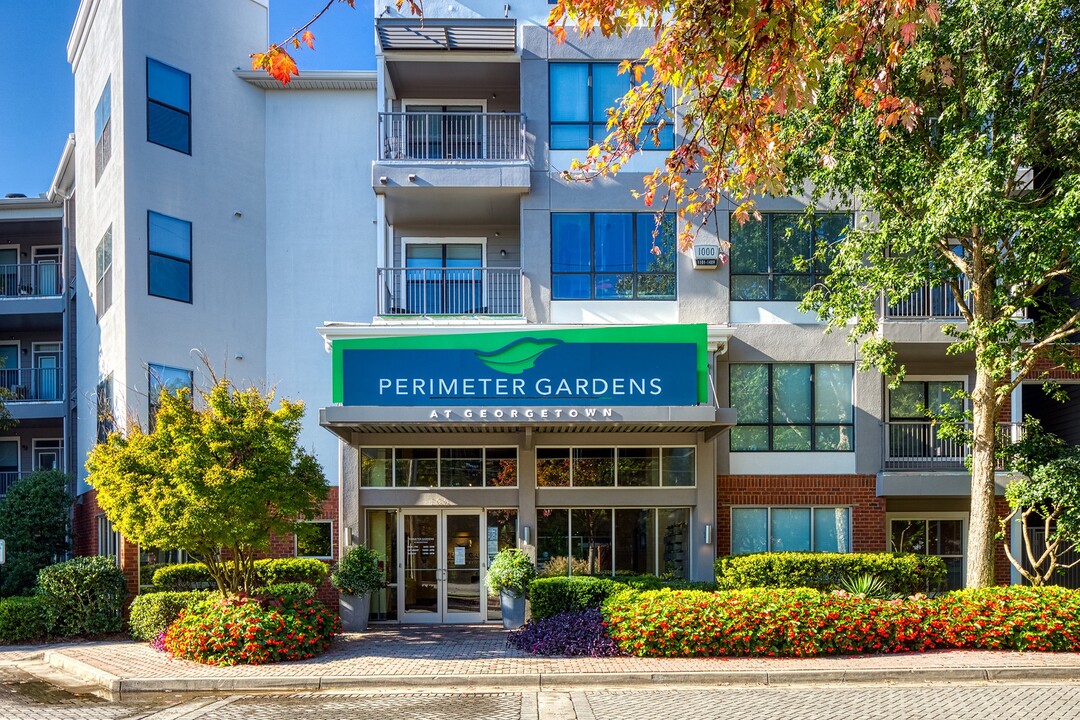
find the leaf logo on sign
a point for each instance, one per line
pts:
(518, 356)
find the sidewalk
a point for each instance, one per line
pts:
(411, 658)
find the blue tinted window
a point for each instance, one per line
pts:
(569, 92)
(764, 252)
(612, 256)
(103, 110)
(169, 261)
(168, 106)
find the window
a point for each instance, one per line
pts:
(438, 467)
(105, 422)
(103, 292)
(790, 529)
(925, 536)
(168, 106)
(615, 467)
(912, 436)
(612, 256)
(153, 559)
(162, 378)
(582, 94)
(108, 539)
(792, 407)
(169, 244)
(102, 130)
(315, 539)
(763, 254)
(613, 541)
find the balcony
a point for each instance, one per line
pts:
(31, 280)
(8, 479)
(928, 302)
(916, 445)
(452, 136)
(32, 384)
(450, 291)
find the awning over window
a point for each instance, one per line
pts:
(459, 34)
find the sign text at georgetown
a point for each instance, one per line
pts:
(665, 365)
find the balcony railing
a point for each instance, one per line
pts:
(916, 445)
(8, 479)
(452, 136)
(31, 280)
(32, 384)
(929, 301)
(450, 291)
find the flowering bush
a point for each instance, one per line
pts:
(905, 573)
(228, 631)
(805, 622)
(568, 633)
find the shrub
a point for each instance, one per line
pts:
(1011, 618)
(152, 613)
(83, 596)
(559, 566)
(510, 572)
(286, 592)
(228, 631)
(358, 572)
(580, 633)
(34, 521)
(903, 573)
(551, 596)
(183, 577)
(21, 619)
(277, 571)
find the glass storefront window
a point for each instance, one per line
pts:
(593, 467)
(553, 467)
(382, 538)
(590, 539)
(376, 469)
(553, 541)
(677, 467)
(501, 534)
(500, 467)
(635, 542)
(461, 467)
(639, 467)
(416, 467)
(615, 467)
(673, 533)
(438, 467)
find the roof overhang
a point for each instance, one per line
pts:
(314, 80)
(345, 421)
(468, 34)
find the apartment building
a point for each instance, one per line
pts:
(37, 349)
(491, 356)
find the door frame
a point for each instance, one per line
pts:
(35, 353)
(442, 616)
(58, 449)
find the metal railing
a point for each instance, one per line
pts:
(450, 291)
(451, 136)
(32, 384)
(31, 280)
(929, 301)
(917, 445)
(8, 479)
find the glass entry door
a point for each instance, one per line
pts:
(442, 560)
(444, 278)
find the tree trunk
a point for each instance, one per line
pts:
(983, 521)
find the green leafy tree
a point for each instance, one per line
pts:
(34, 522)
(1048, 489)
(216, 480)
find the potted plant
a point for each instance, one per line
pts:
(356, 576)
(509, 576)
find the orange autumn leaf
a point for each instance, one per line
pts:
(308, 38)
(282, 67)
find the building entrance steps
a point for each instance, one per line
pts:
(411, 657)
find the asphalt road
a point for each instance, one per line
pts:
(22, 696)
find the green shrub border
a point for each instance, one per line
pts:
(904, 573)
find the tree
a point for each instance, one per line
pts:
(216, 480)
(1048, 489)
(34, 523)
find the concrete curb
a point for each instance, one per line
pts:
(548, 681)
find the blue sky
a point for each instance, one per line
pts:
(37, 114)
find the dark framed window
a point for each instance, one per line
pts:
(168, 106)
(581, 95)
(162, 378)
(169, 258)
(792, 407)
(438, 467)
(315, 539)
(615, 467)
(105, 421)
(103, 287)
(103, 130)
(764, 253)
(612, 256)
(932, 536)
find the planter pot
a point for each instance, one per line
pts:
(513, 610)
(354, 611)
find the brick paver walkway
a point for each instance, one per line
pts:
(482, 652)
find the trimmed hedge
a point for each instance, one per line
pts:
(152, 613)
(904, 573)
(269, 571)
(83, 596)
(804, 622)
(551, 596)
(286, 592)
(21, 619)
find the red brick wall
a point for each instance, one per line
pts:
(1002, 567)
(84, 524)
(858, 491)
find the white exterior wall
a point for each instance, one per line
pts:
(321, 241)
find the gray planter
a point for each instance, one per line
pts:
(354, 612)
(513, 610)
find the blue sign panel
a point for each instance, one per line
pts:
(527, 371)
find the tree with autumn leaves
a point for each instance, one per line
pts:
(957, 122)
